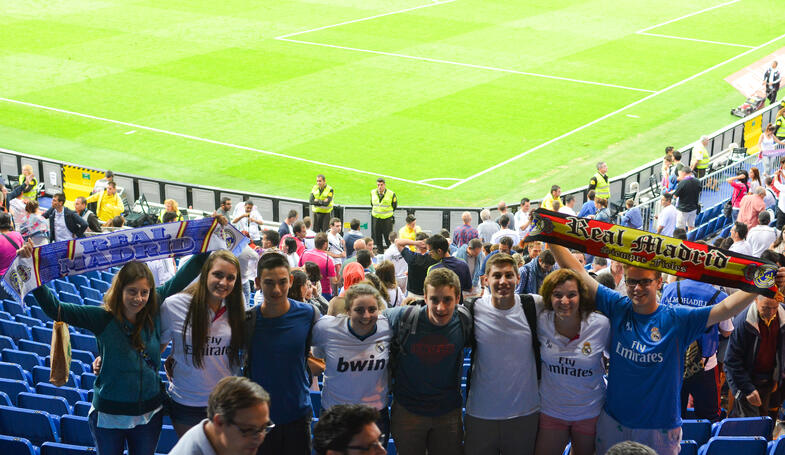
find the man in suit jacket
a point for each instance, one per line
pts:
(64, 223)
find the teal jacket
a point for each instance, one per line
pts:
(126, 385)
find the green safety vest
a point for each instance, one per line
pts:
(382, 209)
(703, 158)
(32, 194)
(780, 127)
(322, 196)
(603, 188)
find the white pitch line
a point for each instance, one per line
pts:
(437, 178)
(435, 3)
(467, 65)
(687, 15)
(695, 39)
(635, 103)
(211, 141)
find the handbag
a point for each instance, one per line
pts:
(60, 353)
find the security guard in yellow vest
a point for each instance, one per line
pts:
(779, 124)
(322, 196)
(700, 160)
(599, 182)
(383, 204)
(29, 183)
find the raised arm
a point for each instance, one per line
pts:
(566, 260)
(92, 318)
(736, 302)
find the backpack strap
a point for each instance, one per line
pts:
(468, 306)
(249, 324)
(530, 311)
(406, 325)
(316, 315)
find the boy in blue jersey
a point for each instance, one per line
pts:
(276, 358)
(647, 348)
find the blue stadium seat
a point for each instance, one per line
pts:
(87, 380)
(6, 343)
(13, 371)
(16, 446)
(55, 406)
(316, 403)
(42, 374)
(92, 274)
(82, 408)
(83, 356)
(744, 426)
(688, 448)
(84, 343)
(28, 321)
(101, 285)
(26, 360)
(107, 276)
(566, 449)
(699, 218)
(692, 235)
(92, 302)
(36, 426)
(90, 293)
(701, 232)
(6, 315)
(38, 313)
(75, 430)
(67, 297)
(5, 400)
(41, 349)
(55, 448)
(14, 308)
(167, 440)
(79, 367)
(13, 387)
(712, 226)
(30, 300)
(736, 445)
(777, 447)
(79, 280)
(14, 330)
(65, 286)
(726, 231)
(71, 394)
(42, 334)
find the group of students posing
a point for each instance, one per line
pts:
(535, 382)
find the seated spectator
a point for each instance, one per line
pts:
(752, 363)
(750, 206)
(225, 209)
(762, 236)
(170, 206)
(34, 226)
(346, 428)
(632, 217)
(238, 419)
(488, 227)
(739, 235)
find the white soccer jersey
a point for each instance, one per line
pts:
(356, 370)
(572, 386)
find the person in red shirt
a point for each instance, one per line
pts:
(750, 206)
(319, 256)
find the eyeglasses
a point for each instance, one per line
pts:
(255, 432)
(631, 283)
(368, 448)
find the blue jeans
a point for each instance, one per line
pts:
(142, 440)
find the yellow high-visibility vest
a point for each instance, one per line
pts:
(382, 208)
(603, 188)
(32, 194)
(703, 158)
(322, 196)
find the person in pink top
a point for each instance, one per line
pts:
(741, 186)
(751, 205)
(10, 241)
(319, 256)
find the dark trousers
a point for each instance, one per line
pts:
(705, 397)
(381, 232)
(771, 93)
(699, 173)
(742, 408)
(780, 218)
(321, 221)
(290, 438)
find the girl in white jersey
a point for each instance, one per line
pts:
(572, 340)
(355, 348)
(767, 144)
(209, 314)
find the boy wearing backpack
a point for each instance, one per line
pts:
(427, 359)
(503, 404)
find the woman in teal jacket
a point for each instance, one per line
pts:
(128, 393)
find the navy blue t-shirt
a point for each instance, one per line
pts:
(459, 267)
(278, 361)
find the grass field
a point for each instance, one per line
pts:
(459, 102)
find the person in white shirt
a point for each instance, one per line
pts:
(666, 220)
(355, 349)
(249, 259)
(249, 221)
(739, 235)
(504, 221)
(568, 207)
(163, 270)
(501, 410)
(522, 217)
(572, 338)
(210, 314)
(762, 235)
(393, 255)
(238, 419)
(310, 235)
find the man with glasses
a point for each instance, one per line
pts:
(238, 419)
(648, 341)
(348, 429)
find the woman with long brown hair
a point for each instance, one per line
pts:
(205, 325)
(128, 392)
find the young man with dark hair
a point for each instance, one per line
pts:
(418, 263)
(352, 236)
(286, 224)
(276, 351)
(427, 354)
(440, 251)
(346, 428)
(270, 239)
(64, 223)
(739, 235)
(533, 273)
(588, 207)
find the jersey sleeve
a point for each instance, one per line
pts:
(610, 302)
(692, 322)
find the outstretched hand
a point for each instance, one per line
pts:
(26, 250)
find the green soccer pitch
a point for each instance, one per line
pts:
(456, 102)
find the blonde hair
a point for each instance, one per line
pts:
(174, 204)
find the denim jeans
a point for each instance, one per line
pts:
(142, 440)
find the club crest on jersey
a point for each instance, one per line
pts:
(586, 349)
(628, 327)
(380, 347)
(655, 334)
(548, 344)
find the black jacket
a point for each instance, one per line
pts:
(93, 223)
(73, 222)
